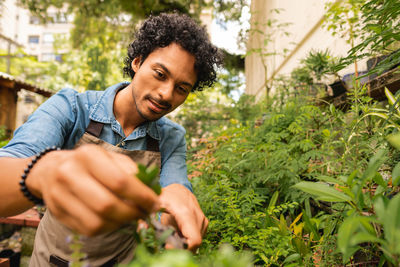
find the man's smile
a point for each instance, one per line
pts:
(157, 107)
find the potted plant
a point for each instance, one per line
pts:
(319, 66)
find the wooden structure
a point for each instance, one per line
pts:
(375, 88)
(9, 87)
(30, 218)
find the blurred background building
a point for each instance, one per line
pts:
(287, 31)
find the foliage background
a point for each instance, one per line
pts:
(291, 180)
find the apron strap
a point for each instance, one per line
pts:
(152, 144)
(94, 128)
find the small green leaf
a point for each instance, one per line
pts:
(323, 192)
(366, 224)
(379, 190)
(380, 207)
(310, 226)
(326, 132)
(391, 221)
(273, 200)
(332, 109)
(392, 100)
(307, 207)
(149, 176)
(345, 233)
(291, 258)
(381, 115)
(379, 180)
(373, 165)
(363, 237)
(329, 179)
(351, 177)
(394, 140)
(396, 175)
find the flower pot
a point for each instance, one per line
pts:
(338, 88)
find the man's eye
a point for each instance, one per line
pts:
(182, 89)
(159, 74)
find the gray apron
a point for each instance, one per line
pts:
(51, 247)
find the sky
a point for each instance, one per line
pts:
(226, 37)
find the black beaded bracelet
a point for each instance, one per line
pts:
(24, 189)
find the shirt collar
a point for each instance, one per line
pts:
(152, 130)
(103, 110)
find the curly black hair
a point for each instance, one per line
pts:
(166, 28)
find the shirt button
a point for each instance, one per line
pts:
(120, 144)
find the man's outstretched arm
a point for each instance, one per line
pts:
(12, 201)
(88, 189)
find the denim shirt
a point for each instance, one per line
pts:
(62, 120)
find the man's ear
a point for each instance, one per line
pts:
(136, 62)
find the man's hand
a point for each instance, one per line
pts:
(91, 190)
(184, 213)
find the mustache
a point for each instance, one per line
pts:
(160, 102)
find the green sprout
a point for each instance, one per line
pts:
(149, 176)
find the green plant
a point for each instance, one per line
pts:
(225, 256)
(3, 137)
(317, 63)
(342, 18)
(391, 116)
(378, 32)
(370, 205)
(237, 174)
(302, 75)
(314, 71)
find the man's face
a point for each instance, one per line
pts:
(163, 81)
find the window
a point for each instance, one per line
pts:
(48, 38)
(58, 58)
(34, 20)
(33, 39)
(60, 18)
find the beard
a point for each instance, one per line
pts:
(164, 105)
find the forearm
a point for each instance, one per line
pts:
(12, 201)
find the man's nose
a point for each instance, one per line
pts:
(166, 92)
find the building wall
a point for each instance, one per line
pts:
(19, 25)
(306, 33)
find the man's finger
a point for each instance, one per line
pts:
(102, 201)
(190, 230)
(204, 226)
(76, 215)
(105, 168)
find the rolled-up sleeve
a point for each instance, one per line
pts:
(47, 126)
(173, 159)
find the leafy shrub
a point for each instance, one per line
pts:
(224, 257)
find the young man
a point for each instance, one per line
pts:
(90, 186)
